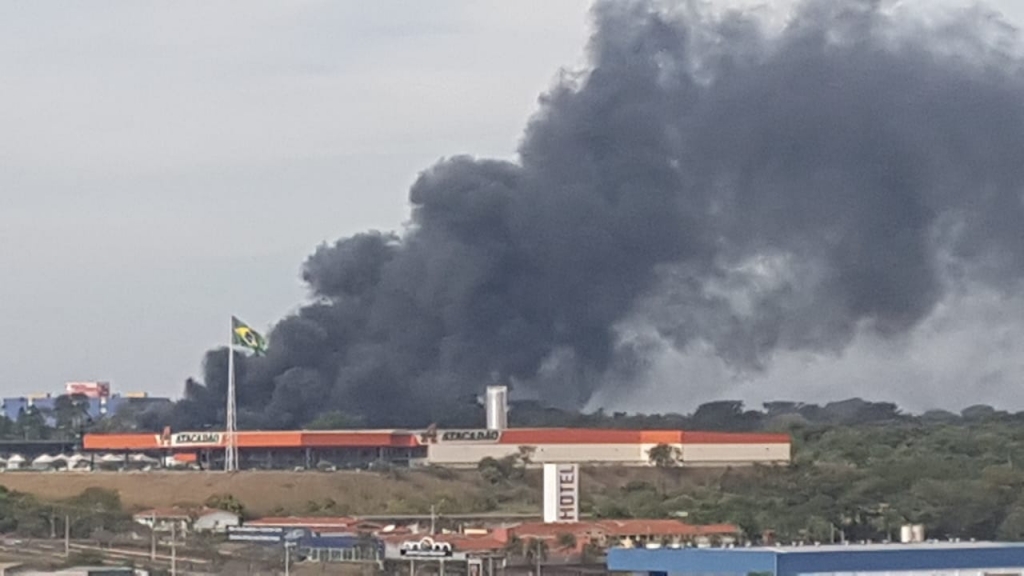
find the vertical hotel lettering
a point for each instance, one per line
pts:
(568, 493)
(561, 493)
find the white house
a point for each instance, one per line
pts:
(216, 521)
(185, 520)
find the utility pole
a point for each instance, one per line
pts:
(174, 550)
(538, 556)
(152, 538)
(67, 535)
(287, 558)
(433, 520)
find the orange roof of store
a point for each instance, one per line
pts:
(408, 439)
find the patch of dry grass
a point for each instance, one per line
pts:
(341, 493)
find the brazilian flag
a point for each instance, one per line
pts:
(243, 335)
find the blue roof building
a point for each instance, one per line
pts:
(924, 559)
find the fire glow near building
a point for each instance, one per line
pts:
(454, 448)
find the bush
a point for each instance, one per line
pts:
(501, 470)
(226, 502)
(85, 558)
(439, 472)
(664, 456)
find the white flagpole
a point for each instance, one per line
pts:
(230, 454)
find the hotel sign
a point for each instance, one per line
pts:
(561, 493)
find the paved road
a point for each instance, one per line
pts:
(53, 550)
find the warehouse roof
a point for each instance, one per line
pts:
(267, 439)
(789, 561)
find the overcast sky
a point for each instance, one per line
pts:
(164, 165)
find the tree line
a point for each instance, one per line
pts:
(69, 416)
(859, 473)
(860, 470)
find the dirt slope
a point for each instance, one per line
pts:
(340, 493)
(261, 492)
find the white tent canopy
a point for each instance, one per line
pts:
(43, 461)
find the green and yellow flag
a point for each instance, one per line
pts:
(243, 335)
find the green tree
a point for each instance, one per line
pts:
(664, 456)
(1012, 527)
(501, 470)
(71, 412)
(226, 502)
(526, 453)
(536, 549)
(31, 425)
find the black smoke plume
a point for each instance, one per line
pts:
(707, 179)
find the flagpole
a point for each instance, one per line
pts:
(230, 454)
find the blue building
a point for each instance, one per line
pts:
(94, 407)
(919, 559)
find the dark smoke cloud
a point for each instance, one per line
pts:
(705, 178)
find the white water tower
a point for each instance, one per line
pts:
(496, 405)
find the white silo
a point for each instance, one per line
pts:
(906, 534)
(496, 405)
(917, 533)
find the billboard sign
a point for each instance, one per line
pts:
(426, 548)
(262, 534)
(267, 534)
(469, 435)
(196, 439)
(561, 493)
(88, 389)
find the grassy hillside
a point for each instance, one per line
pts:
(395, 492)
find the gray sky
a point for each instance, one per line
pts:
(163, 166)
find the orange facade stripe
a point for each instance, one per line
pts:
(734, 438)
(358, 439)
(283, 439)
(403, 439)
(588, 436)
(121, 442)
(661, 436)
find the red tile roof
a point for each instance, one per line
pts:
(461, 542)
(464, 543)
(311, 522)
(617, 528)
(656, 527)
(542, 530)
(174, 513)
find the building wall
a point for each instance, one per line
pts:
(967, 559)
(968, 572)
(697, 454)
(451, 453)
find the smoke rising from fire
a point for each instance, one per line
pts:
(705, 181)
